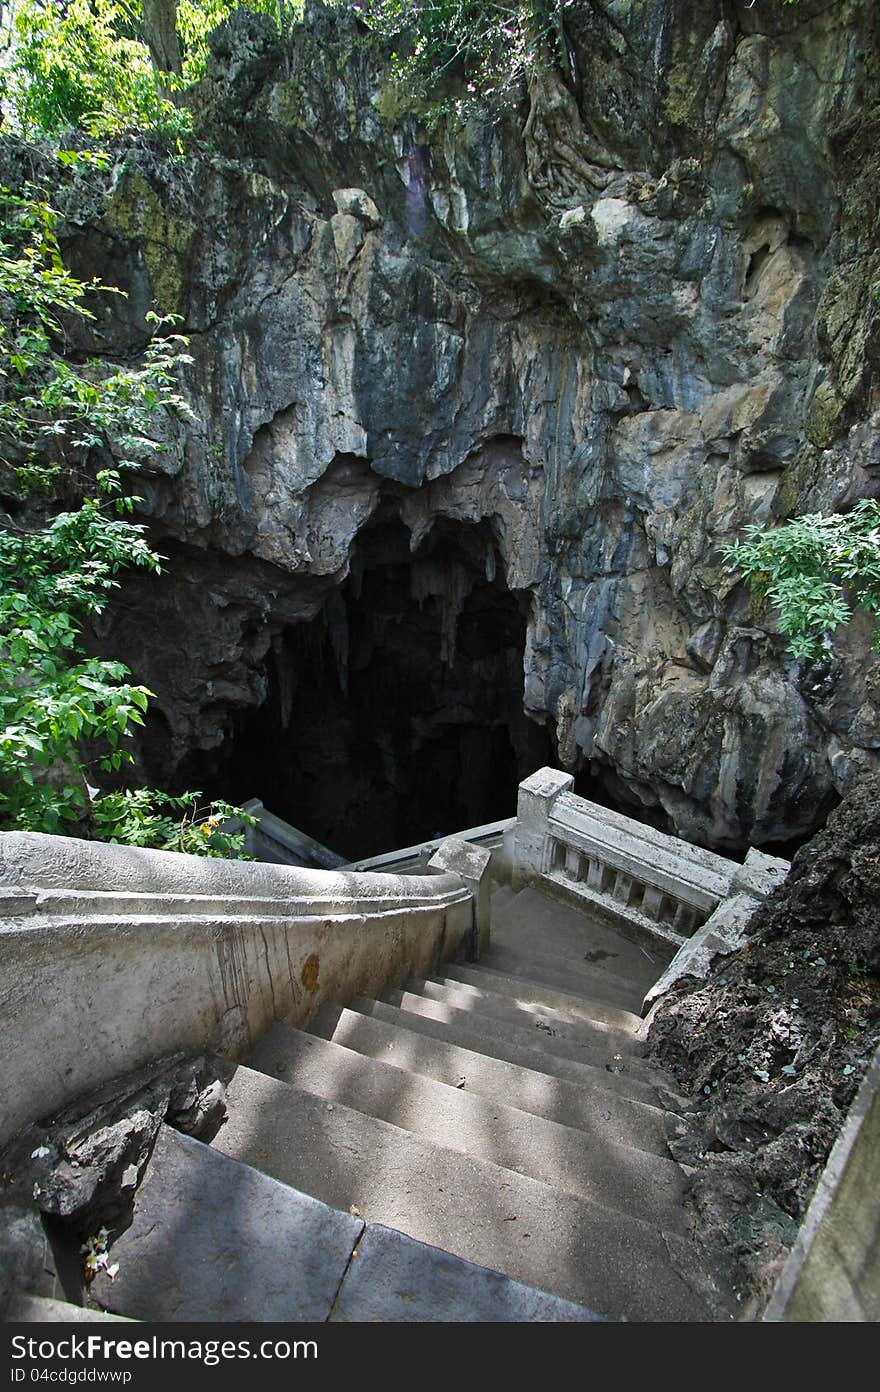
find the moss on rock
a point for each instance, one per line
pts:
(136, 210)
(823, 415)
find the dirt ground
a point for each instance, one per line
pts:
(771, 1048)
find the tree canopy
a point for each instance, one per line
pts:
(108, 66)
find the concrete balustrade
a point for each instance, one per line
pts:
(832, 1274)
(276, 841)
(111, 956)
(652, 885)
(495, 837)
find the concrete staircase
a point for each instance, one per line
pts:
(501, 1112)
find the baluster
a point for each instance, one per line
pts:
(668, 909)
(652, 902)
(684, 921)
(622, 887)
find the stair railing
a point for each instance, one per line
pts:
(656, 886)
(112, 956)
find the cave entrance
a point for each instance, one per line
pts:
(396, 715)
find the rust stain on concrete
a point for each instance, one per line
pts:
(309, 974)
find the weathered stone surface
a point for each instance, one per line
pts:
(612, 335)
(395, 1278)
(771, 1046)
(84, 1163)
(725, 931)
(610, 1261)
(832, 1274)
(760, 874)
(219, 949)
(579, 1103)
(38, 1309)
(215, 1240)
(472, 864)
(26, 1259)
(623, 1178)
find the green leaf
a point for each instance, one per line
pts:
(814, 570)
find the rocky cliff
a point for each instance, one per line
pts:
(476, 406)
(771, 1048)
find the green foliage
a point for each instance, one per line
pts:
(48, 405)
(51, 696)
(455, 56)
(81, 430)
(197, 18)
(85, 65)
(54, 418)
(812, 570)
(145, 817)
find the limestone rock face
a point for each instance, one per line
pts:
(606, 331)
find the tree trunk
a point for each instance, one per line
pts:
(160, 32)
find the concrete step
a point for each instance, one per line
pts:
(534, 920)
(615, 1027)
(611, 1262)
(527, 992)
(600, 1066)
(41, 1309)
(396, 1279)
(584, 1104)
(501, 896)
(566, 974)
(589, 1164)
(213, 1240)
(537, 918)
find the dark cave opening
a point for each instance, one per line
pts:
(395, 715)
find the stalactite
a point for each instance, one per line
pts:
(287, 683)
(337, 629)
(449, 582)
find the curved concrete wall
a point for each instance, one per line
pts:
(112, 956)
(34, 860)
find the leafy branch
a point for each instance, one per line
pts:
(82, 430)
(145, 817)
(813, 570)
(108, 67)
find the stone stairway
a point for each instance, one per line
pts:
(501, 1112)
